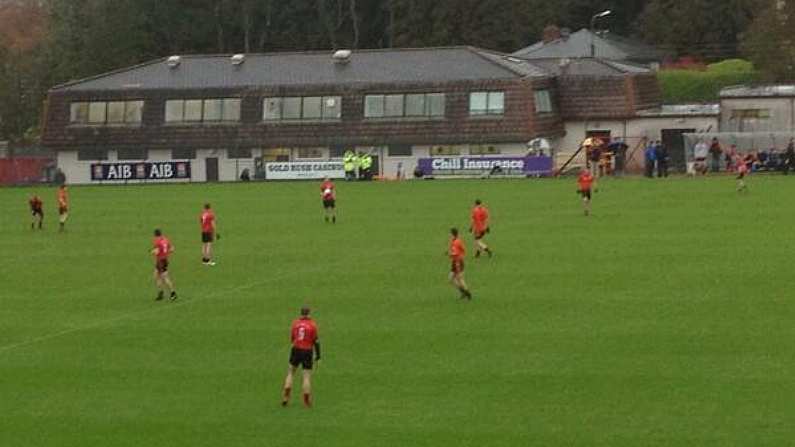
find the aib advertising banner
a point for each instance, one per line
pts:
(532, 166)
(158, 170)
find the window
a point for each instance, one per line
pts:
(543, 101)
(276, 154)
(183, 154)
(309, 152)
(445, 150)
(238, 153)
(309, 108)
(202, 110)
(750, 120)
(116, 112)
(92, 154)
(97, 112)
(393, 106)
(486, 103)
(79, 112)
(413, 105)
(132, 154)
(399, 150)
(101, 112)
(483, 150)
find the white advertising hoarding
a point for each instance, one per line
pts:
(298, 170)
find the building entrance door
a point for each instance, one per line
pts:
(673, 140)
(211, 165)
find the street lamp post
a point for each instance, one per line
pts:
(593, 31)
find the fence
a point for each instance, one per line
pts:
(26, 170)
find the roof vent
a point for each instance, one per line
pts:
(515, 60)
(173, 61)
(342, 56)
(238, 59)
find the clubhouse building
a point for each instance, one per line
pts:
(210, 118)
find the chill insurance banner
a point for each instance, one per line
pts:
(161, 170)
(479, 165)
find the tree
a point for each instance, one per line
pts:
(768, 42)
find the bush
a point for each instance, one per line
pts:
(683, 86)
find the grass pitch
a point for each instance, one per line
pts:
(664, 319)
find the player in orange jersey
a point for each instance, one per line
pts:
(161, 250)
(304, 338)
(479, 227)
(63, 206)
(585, 183)
(209, 234)
(457, 253)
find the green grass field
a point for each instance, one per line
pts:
(667, 318)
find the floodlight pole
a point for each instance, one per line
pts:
(593, 30)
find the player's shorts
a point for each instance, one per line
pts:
(330, 203)
(35, 213)
(586, 194)
(63, 210)
(161, 266)
(301, 357)
(741, 175)
(208, 237)
(457, 266)
(478, 234)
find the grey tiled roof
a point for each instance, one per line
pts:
(429, 65)
(587, 66)
(673, 110)
(578, 44)
(758, 91)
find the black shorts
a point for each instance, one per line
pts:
(457, 266)
(63, 210)
(586, 194)
(161, 266)
(208, 237)
(35, 213)
(479, 234)
(301, 357)
(330, 203)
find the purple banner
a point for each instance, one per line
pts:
(533, 166)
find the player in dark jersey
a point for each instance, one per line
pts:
(161, 250)
(37, 212)
(304, 338)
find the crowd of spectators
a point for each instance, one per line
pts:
(714, 157)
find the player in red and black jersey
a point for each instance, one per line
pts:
(457, 252)
(209, 234)
(161, 250)
(304, 338)
(329, 196)
(37, 212)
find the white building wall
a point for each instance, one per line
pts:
(781, 114)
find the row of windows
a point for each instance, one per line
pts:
(408, 106)
(307, 108)
(202, 110)
(106, 112)
(393, 150)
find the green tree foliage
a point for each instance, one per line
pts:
(685, 86)
(769, 43)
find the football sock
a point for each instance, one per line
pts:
(173, 295)
(286, 396)
(477, 253)
(205, 260)
(307, 400)
(160, 295)
(333, 219)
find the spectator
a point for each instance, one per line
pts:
(594, 154)
(60, 177)
(418, 172)
(245, 176)
(715, 151)
(661, 155)
(700, 152)
(619, 149)
(651, 158)
(730, 156)
(789, 157)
